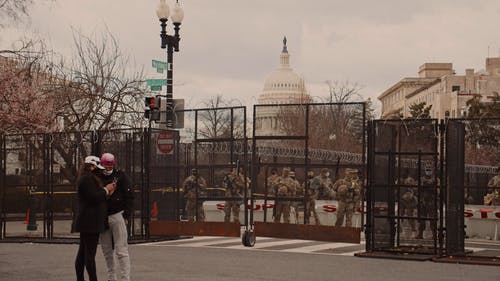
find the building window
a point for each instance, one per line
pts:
(455, 88)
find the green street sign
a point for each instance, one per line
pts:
(156, 82)
(159, 65)
(155, 88)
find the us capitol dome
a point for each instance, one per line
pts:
(283, 86)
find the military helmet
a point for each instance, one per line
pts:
(285, 172)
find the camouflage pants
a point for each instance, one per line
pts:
(409, 212)
(427, 211)
(311, 208)
(191, 207)
(298, 207)
(232, 207)
(282, 208)
(346, 209)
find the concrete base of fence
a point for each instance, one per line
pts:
(309, 232)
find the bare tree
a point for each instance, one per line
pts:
(335, 126)
(216, 121)
(342, 92)
(98, 90)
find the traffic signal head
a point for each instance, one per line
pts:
(149, 102)
(152, 108)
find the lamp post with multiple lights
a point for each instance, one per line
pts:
(171, 43)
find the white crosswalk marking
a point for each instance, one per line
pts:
(195, 241)
(275, 245)
(264, 244)
(320, 247)
(260, 245)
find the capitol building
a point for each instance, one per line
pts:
(283, 86)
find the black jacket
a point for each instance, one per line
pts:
(91, 216)
(123, 197)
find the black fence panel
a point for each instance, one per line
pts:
(403, 201)
(455, 228)
(298, 145)
(212, 144)
(39, 172)
(429, 175)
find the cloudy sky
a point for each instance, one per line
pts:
(229, 47)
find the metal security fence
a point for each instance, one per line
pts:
(213, 142)
(421, 174)
(406, 209)
(38, 175)
(403, 203)
(302, 139)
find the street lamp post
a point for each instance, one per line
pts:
(171, 43)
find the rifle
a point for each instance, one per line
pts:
(337, 168)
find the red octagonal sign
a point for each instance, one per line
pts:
(165, 143)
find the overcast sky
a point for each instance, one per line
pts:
(229, 47)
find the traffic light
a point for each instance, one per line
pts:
(152, 108)
(152, 102)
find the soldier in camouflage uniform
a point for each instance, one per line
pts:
(192, 185)
(271, 181)
(348, 196)
(493, 196)
(323, 185)
(285, 188)
(311, 196)
(234, 183)
(427, 202)
(408, 201)
(298, 193)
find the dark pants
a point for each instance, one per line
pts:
(85, 258)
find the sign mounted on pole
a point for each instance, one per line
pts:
(159, 65)
(155, 88)
(156, 82)
(165, 143)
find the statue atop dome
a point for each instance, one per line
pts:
(285, 50)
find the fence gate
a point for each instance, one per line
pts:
(212, 144)
(307, 147)
(404, 206)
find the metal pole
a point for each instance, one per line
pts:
(170, 74)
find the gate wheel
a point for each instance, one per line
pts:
(248, 238)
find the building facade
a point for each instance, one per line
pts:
(438, 85)
(283, 86)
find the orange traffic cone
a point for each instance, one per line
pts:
(26, 221)
(154, 211)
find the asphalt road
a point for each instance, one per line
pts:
(163, 262)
